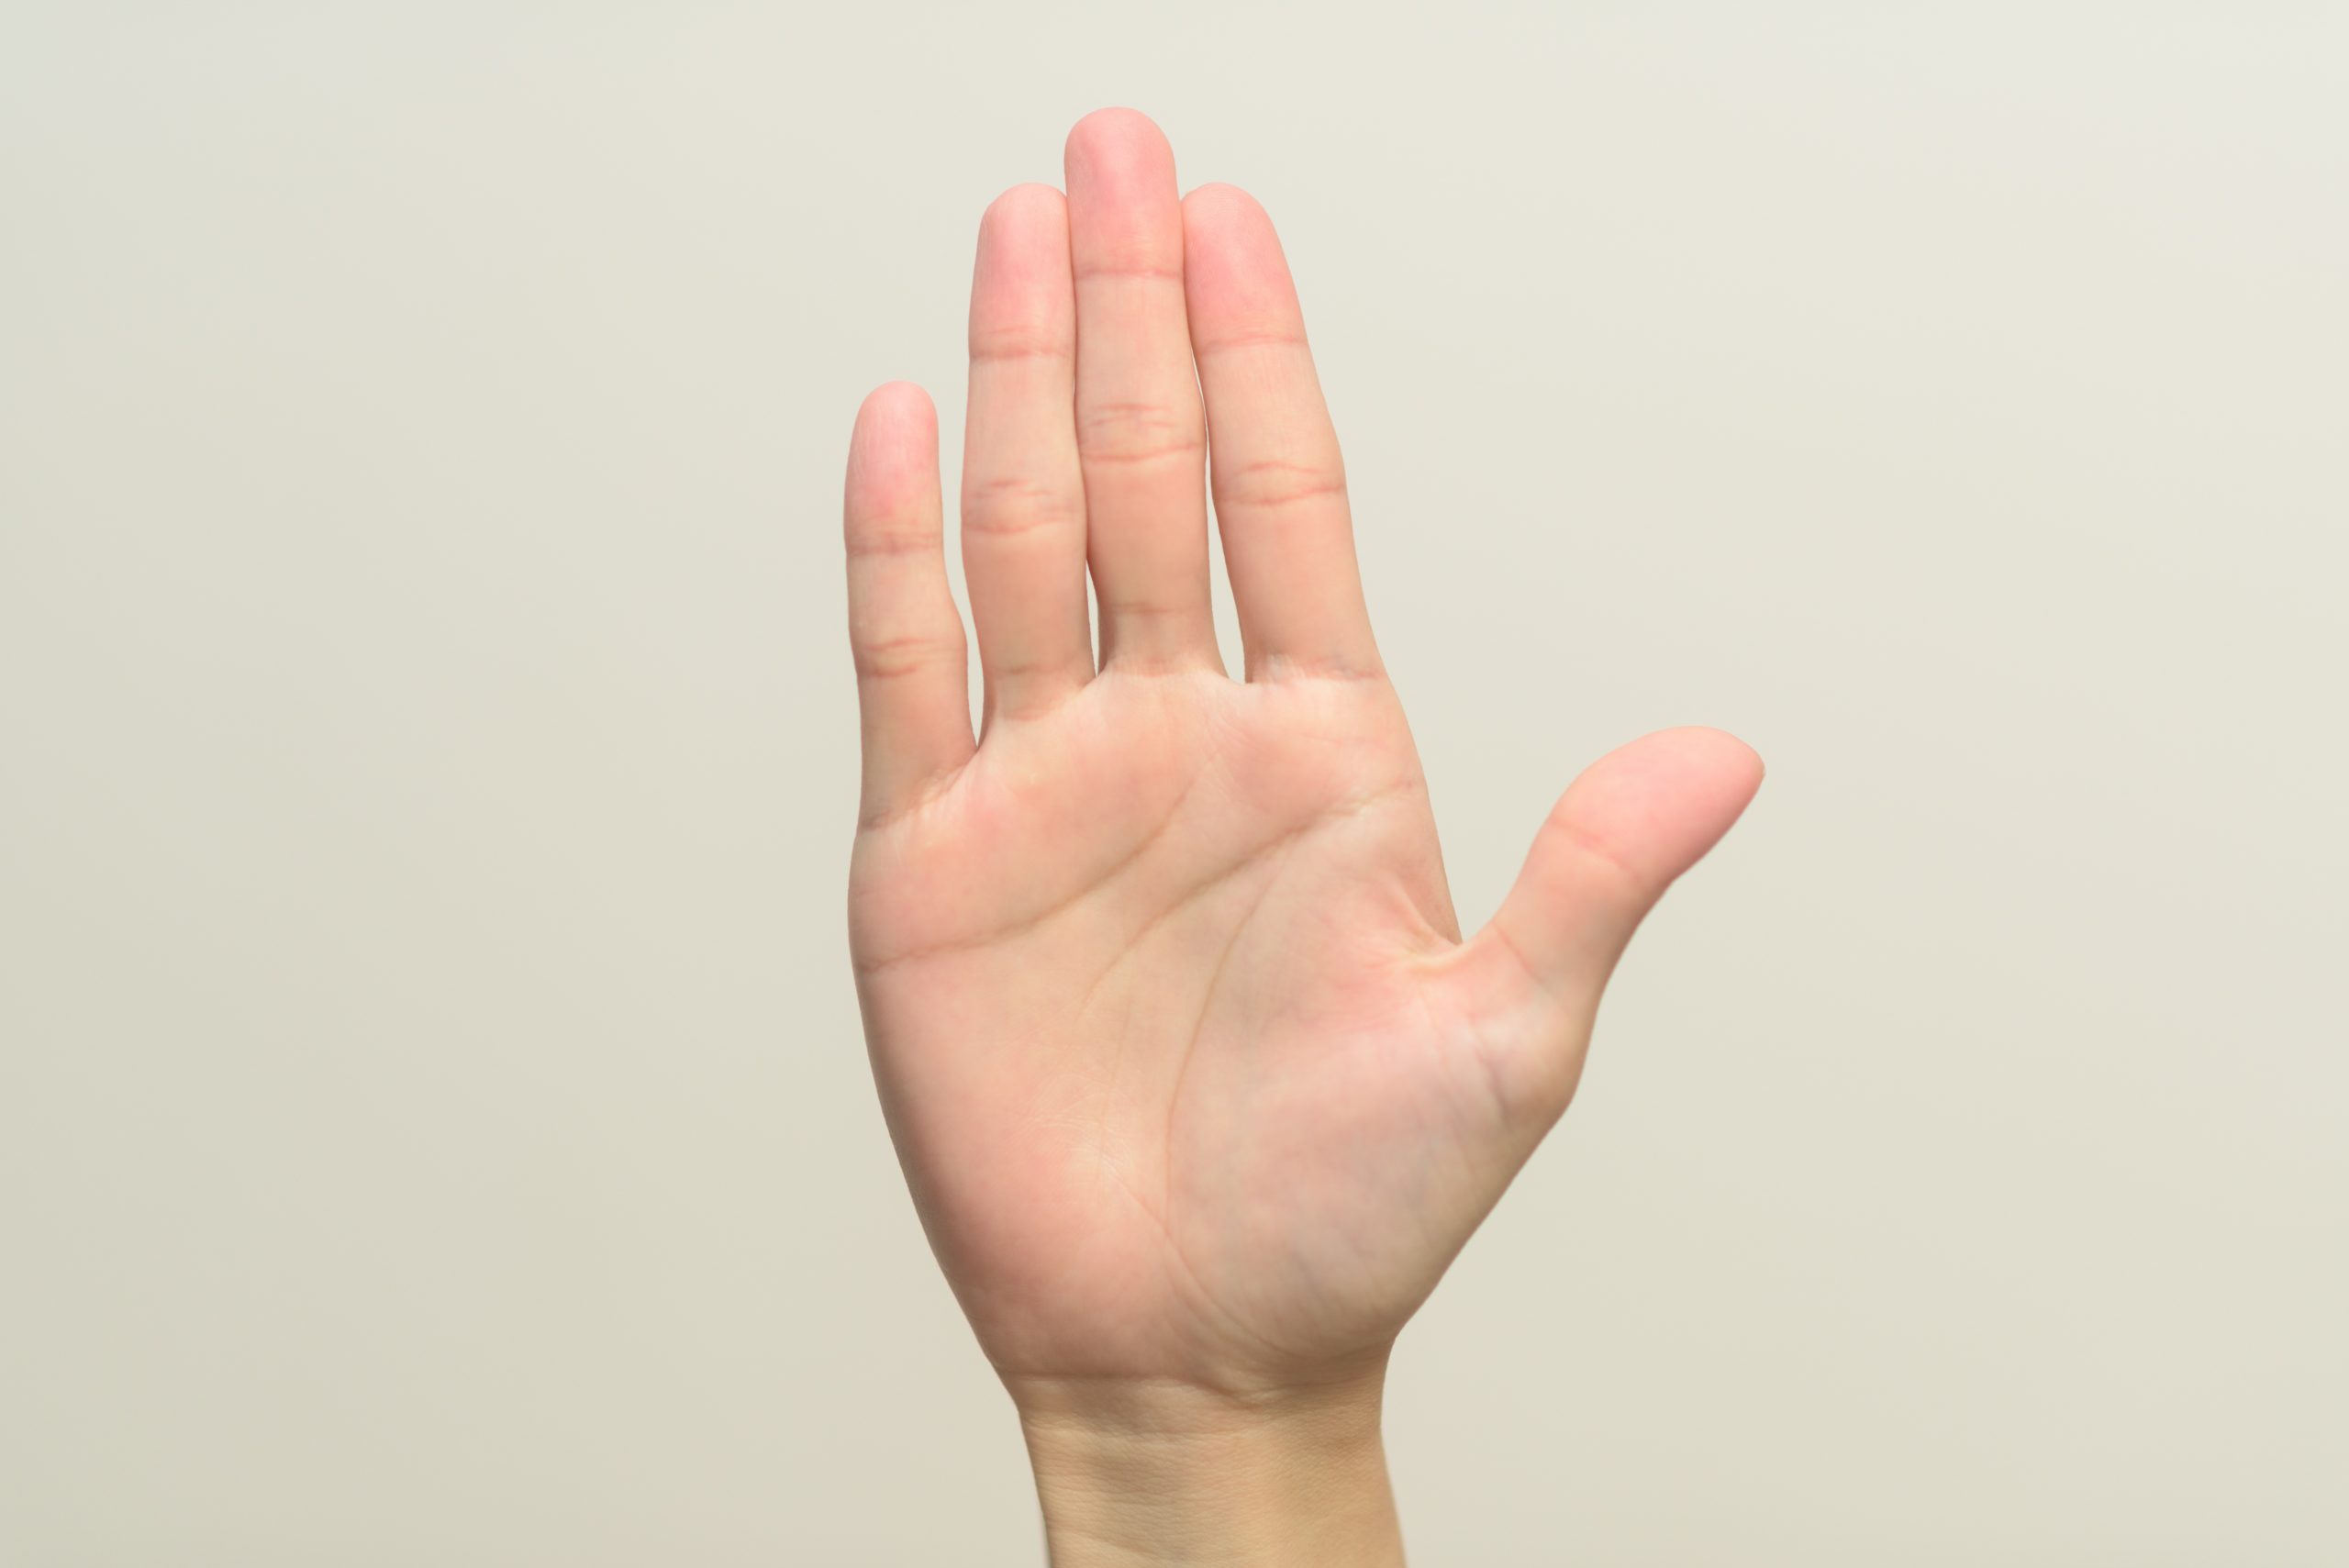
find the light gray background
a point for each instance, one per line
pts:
(433, 1125)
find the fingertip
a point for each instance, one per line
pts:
(1654, 807)
(1724, 772)
(1217, 201)
(893, 451)
(893, 404)
(1125, 221)
(1701, 751)
(1235, 271)
(1110, 132)
(1020, 300)
(1226, 228)
(1023, 207)
(895, 417)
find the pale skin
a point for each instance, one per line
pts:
(1196, 1081)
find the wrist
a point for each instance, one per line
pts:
(1144, 1473)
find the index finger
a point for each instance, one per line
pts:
(1279, 481)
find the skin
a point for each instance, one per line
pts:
(1196, 1083)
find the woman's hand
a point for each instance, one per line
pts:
(1197, 1088)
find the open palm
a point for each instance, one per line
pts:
(1191, 1074)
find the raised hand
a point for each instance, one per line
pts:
(1196, 1086)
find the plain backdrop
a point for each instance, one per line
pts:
(434, 1126)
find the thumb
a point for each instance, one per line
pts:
(1618, 837)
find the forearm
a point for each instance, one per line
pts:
(1160, 1476)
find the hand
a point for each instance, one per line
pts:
(1198, 1088)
